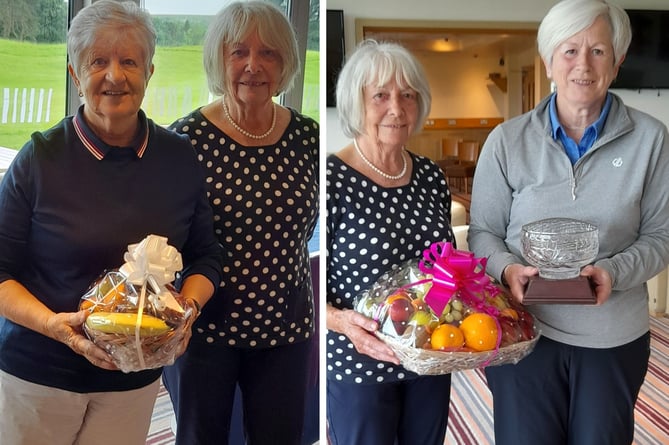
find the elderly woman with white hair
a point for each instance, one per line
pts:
(261, 165)
(385, 206)
(581, 154)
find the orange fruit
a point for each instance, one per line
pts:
(480, 331)
(447, 336)
(509, 312)
(397, 296)
(114, 296)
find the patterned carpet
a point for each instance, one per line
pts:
(470, 421)
(160, 432)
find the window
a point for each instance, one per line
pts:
(34, 59)
(179, 83)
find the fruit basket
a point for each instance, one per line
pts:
(135, 313)
(443, 314)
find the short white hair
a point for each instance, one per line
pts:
(123, 16)
(569, 17)
(378, 62)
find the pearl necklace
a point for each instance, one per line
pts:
(378, 170)
(246, 133)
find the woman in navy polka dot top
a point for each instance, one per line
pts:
(261, 167)
(385, 206)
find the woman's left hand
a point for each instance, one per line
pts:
(601, 280)
(192, 312)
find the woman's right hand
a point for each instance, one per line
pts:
(360, 330)
(516, 277)
(66, 328)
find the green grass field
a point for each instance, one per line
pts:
(177, 86)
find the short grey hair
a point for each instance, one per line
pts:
(569, 17)
(114, 14)
(378, 62)
(233, 24)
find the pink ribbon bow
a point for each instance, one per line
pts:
(456, 272)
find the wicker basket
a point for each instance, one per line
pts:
(431, 362)
(156, 351)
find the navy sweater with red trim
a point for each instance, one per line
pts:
(65, 217)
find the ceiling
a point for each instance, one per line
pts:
(461, 42)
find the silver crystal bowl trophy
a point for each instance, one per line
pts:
(559, 248)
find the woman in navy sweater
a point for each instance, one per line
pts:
(73, 200)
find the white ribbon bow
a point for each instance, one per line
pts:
(153, 262)
(152, 257)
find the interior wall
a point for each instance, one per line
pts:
(475, 96)
(460, 86)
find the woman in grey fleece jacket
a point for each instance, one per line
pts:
(581, 153)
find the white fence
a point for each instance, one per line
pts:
(166, 104)
(33, 105)
(26, 105)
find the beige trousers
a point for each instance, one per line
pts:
(33, 414)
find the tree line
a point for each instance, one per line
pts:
(45, 21)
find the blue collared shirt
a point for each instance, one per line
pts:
(573, 148)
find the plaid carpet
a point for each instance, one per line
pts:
(470, 421)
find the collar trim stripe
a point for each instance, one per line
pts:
(145, 142)
(97, 153)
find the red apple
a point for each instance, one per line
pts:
(400, 327)
(401, 310)
(511, 331)
(526, 322)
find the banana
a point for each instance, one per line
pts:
(124, 323)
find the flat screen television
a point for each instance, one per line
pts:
(647, 62)
(335, 52)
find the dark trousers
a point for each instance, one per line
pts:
(272, 381)
(404, 413)
(566, 395)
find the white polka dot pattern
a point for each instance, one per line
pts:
(265, 203)
(371, 229)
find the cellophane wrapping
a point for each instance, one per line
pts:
(136, 315)
(445, 287)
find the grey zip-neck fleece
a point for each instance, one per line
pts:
(621, 185)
